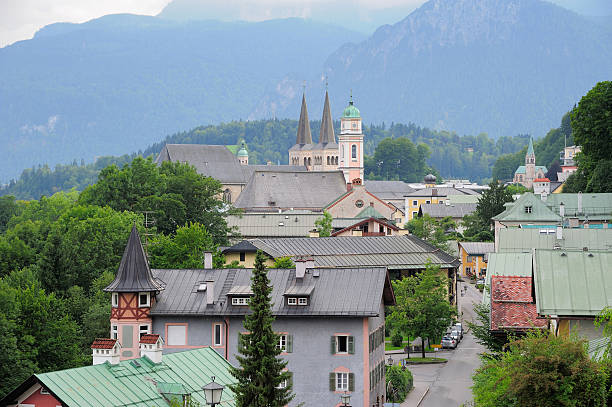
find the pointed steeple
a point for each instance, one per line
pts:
(134, 274)
(303, 132)
(326, 135)
(530, 148)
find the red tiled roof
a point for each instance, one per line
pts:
(510, 288)
(103, 343)
(149, 338)
(512, 305)
(541, 180)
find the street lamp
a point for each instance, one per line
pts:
(345, 398)
(390, 361)
(212, 392)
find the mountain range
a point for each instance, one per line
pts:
(120, 82)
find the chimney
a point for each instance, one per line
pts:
(310, 262)
(349, 186)
(562, 209)
(210, 292)
(372, 204)
(105, 350)
(579, 202)
(208, 259)
(559, 232)
(300, 267)
(314, 233)
(151, 346)
(543, 196)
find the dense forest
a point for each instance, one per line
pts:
(57, 254)
(449, 155)
(546, 149)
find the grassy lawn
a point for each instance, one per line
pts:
(388, 346)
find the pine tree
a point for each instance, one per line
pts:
(260, 374)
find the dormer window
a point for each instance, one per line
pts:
(291, 301)
(297, 300)
(144, 299)
(528, 209)
(240, 300)
(115, 299)
(303, 301)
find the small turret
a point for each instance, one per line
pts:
(243, 155)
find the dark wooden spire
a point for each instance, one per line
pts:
(326, 135)
(134, 274)
(303, 131)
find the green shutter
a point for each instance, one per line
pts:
(333, 345)
(289, 343)
(351, 344)
(290, 380)
(332, 382)
(351, 381)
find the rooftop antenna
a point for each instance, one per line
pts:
(325, 83)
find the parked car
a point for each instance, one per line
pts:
(448, 343)
(454, 334)
(459, 328)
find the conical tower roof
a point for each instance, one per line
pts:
(530, 148)
(134, 274)
(303, 131)
(326, 135)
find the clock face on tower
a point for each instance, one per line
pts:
(354, 125)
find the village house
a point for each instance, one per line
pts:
(191, 309)
(449, 210)
(474, 257)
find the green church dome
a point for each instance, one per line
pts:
(351, 112)
(243, 151)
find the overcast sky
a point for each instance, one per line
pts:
(20, 19)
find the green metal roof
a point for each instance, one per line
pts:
(595, 206)
(506, 264)
(515, 239)
(572, 283)
(369, 212)
(521, 169)
(136, 382)
(539, 211)
(351, 112)
(243, 151)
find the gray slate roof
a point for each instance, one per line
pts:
(303, 131)
(478, 247)
(393, 252)
(286, 224)
(442, 210)
(133, 274)
(388, 189)
(346, 292)
(301, 190)
(209, 160)
(326, 134)
(442, 191)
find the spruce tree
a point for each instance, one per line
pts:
(260, 373)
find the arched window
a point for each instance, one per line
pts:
(227, 196)
(309, 162)
(354, 151)
(336, 160)
(305, 162)
(328, 160)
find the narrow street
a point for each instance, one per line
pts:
(448, 384)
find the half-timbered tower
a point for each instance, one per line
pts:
(132, 294)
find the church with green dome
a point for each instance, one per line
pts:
(346, 154)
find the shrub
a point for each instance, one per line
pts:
(480, 287)
(397, 339)
(401, 383)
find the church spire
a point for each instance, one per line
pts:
(303, 131)
(326, 135)
(530, 148)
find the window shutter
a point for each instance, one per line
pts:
(290, 380)
(351, 381)
(333, 345)
(351, 344)
(332, 382)
(289, 343)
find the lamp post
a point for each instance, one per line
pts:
(390, 361)
(345, 398)
(212, 392)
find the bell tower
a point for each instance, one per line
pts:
(350, 143)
